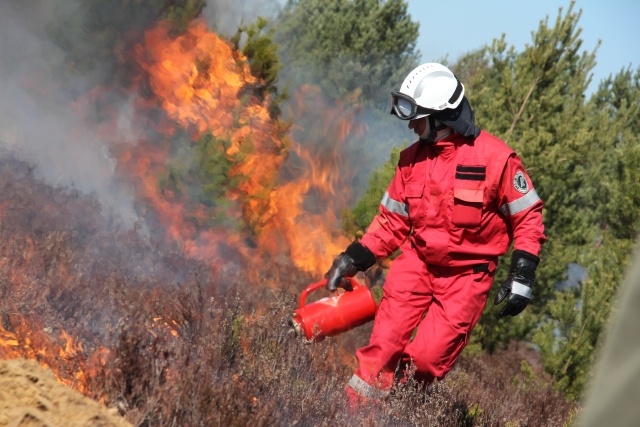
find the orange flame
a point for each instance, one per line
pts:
(199, 80)
(65, 356)
(201, 83)
(313, 234)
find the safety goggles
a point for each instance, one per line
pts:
(406, 108)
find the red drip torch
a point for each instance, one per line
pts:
(332, 315)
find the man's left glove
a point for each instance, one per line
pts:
(519, 283)
(355, 258)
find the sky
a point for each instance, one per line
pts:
(451, 29)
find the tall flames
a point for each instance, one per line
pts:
(201, 83)
(288, 181)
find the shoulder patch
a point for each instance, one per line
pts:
(520, 182)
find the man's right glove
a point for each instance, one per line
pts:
(355, 258)
(518, 284)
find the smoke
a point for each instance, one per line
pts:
(225, 16)
(350, 78)
(42, 120)
(38, 123)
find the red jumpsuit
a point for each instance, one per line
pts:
(452, 208)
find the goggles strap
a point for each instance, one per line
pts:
(456, 93)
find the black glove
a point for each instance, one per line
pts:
(519, 283)
(347, 264)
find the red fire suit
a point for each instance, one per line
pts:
(452, 208)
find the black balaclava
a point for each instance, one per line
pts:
(461, 119)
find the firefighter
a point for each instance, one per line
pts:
(459, 198)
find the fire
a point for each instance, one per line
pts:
(199, 80)
(64, 355)
(159, 323)
(201, 83)
(288, 187)
(305, 209)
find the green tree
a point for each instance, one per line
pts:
(570, 335)
(534, 100)
(616, 131)
(255, 41)
(348, 46)
(576, 318)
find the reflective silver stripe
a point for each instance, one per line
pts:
(394, 205)
(520, 289)
(521, 204)
(366, 390)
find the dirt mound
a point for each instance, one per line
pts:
(30, 396)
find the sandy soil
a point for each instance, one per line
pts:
(30, 396)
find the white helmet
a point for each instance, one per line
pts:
(430, 88)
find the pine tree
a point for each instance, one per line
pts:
(534, 100)
(348, 46)
(255, 41)
(570, 335)
(583, 158)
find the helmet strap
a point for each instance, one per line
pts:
(435, 131)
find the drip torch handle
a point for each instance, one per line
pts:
(312, 287)
(302, 300)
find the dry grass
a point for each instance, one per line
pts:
(183, 344)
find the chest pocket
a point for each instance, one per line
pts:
(413, 193)
(468, 195)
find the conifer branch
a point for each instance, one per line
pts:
(522, 106)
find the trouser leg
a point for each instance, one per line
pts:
(459, 300)
(406, 295)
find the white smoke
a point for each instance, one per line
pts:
(225, 16)
(37, 123)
